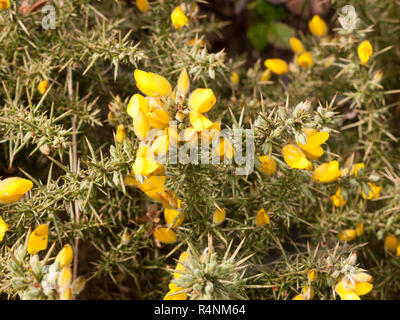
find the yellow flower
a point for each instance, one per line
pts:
(143, 5)
(317, 26)
(171, 214)
(327, 172)
(224, 149)
(312, 275)
(65, 256)
(145, 164)
(265, 75)
(391, 243)
(277, 66)
(294, 157)
(182, 87)
(375, 192)
(152, 84)
(337, 199)
(219, 216)
(4, 4)
(121, 133)
(268, 165)
(299, 297)
(234, 78)
(305, 60)
(164, 235)
(262, 218)
(160, 145)
(364, 51)
(314, 139)
(65, 277)
(38, 239)
(296, 45)
(347, 235)
(43, 85)
(178, 18)
(199, 121)
(137, 108)
(202, 100)
(3, 228)
(398, 250)
(348, 290)
(356, 167)
(158, 118)
(154, 188)
(13, 189)
(360, 229)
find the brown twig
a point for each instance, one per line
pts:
(75, 169)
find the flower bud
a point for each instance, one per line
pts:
(65, 256)
(65, 277)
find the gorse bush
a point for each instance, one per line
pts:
(137, 161)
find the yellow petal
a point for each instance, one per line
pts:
(136, 103)
(43, 85)
(143, 5)
(347, 235)
(294, 157)
(3, 228)
(277, 66)
(327, 172)
(349, 296)
(152, 84)
(183, 86)
(375, 191)
(65, 277)
(305, 60)
(65, 256)
(171, 214)
(164, 235)
(202, 100)
(268, 165)
(299, 297)
(158, 118)
(363, 288)
(360, 229)
(219, 216)
(178, 18)
(13, 189)
(391, 243)
(337, 198)
(317, 26)
(199, 121)
(38, 239)
(121, 133)
(262, 218)
(296, 45)
(356, 167)
(364, 51)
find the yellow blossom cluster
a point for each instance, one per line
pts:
(303, 58)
